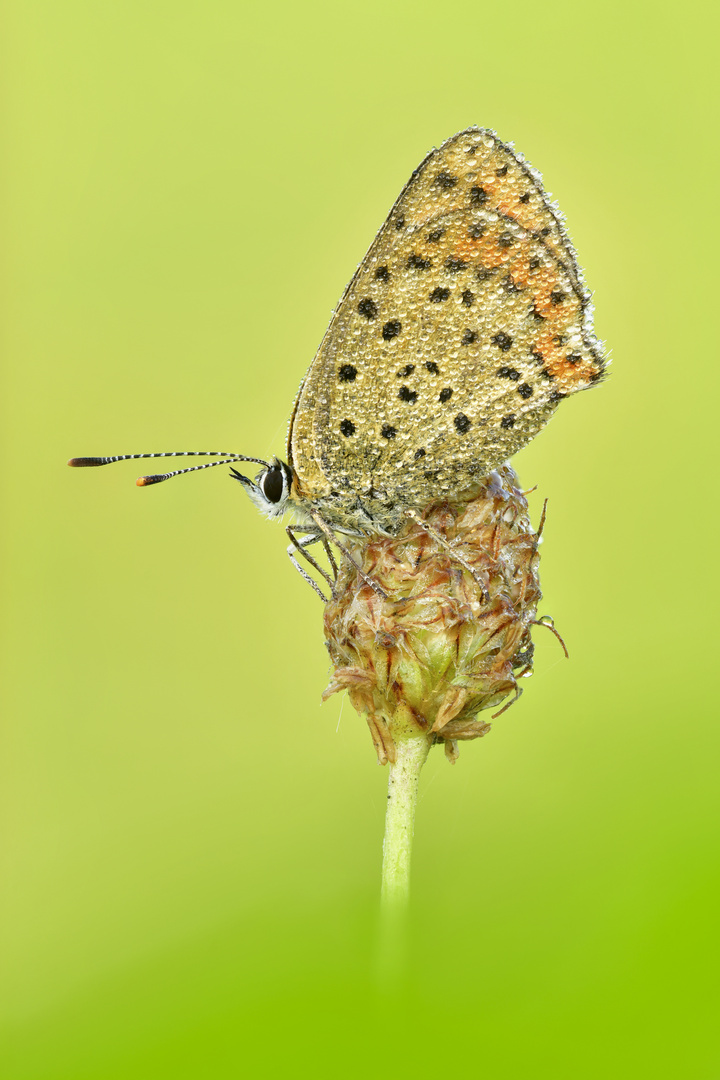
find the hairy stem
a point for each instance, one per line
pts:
(400, 820)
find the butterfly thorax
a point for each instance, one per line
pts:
(369, 510)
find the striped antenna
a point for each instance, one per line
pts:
(157, 478)
(143, 481)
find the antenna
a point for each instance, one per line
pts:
(144, 481)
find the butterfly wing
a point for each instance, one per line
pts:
(464, 326)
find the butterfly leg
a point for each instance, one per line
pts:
(451, 549)
(300, 546)
(331, 557)
(341, 547)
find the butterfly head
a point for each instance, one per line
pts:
(270, 490)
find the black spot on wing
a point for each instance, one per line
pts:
(367, 308)
(391, 329)
(416, 262)
(454, 266)
(439, 294)
(502, 340)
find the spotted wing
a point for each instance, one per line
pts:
(463, 327)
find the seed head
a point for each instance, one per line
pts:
(453, 636)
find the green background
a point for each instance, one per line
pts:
(193, 842)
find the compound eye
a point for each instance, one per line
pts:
(272, 485)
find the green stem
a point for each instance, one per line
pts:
(400, 820)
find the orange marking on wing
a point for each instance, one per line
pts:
(494, 257)
(504, 193)
(469, 248)
(530, 217)
(544, 283)
(569, 376)
(521, 273)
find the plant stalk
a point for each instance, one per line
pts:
(400, 820)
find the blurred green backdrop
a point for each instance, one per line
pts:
(193, 843)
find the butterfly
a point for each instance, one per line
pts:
(464, 326)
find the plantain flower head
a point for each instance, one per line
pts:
(453, 636)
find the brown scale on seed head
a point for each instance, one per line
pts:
(471, 275)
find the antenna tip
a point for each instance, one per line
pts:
(85, 462)
(145, 481)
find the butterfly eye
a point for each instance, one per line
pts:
(272, 484)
